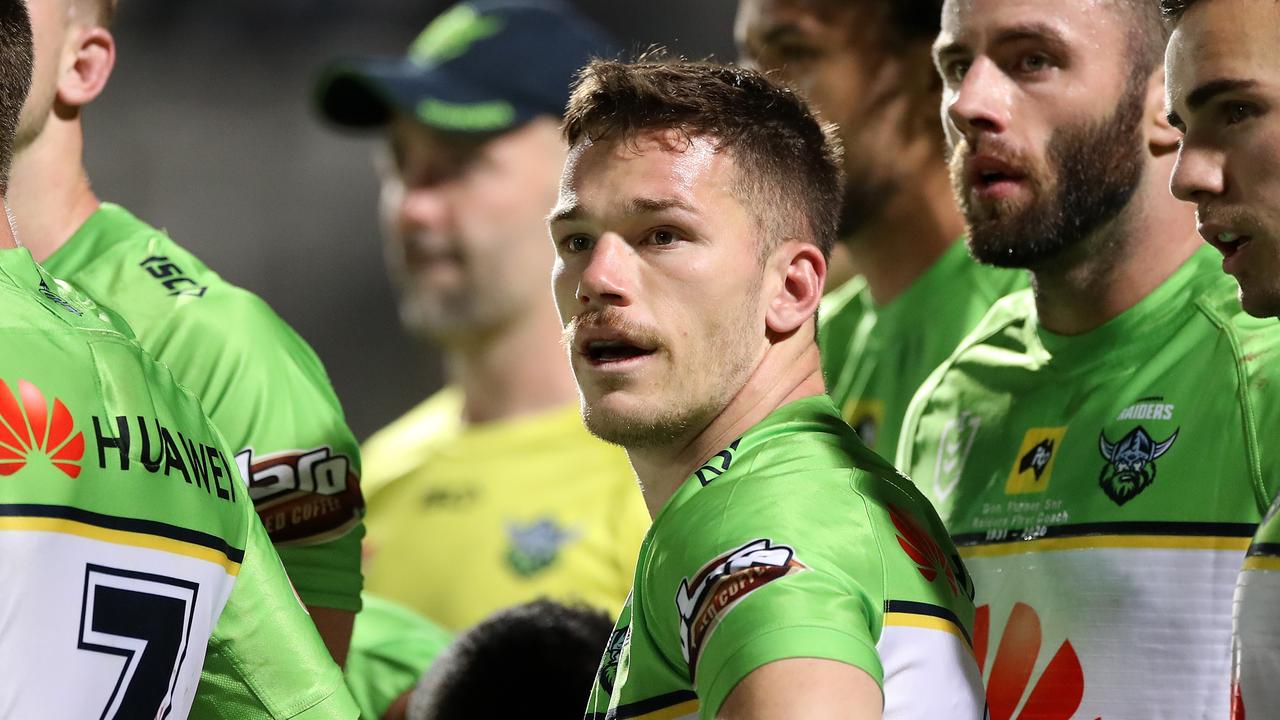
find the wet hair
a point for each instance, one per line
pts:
(15, 77)
(534, 660)
(788, 162)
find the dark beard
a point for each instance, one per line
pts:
(864, 200)
(1096, 169)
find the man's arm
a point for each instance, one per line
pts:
(808, 688)
(335, 629)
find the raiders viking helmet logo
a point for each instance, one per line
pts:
(1130, 467)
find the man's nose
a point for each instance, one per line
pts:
(607, 277)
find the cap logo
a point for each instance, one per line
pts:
(467, 117)
(451, 34)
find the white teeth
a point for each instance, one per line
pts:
(1227, 238)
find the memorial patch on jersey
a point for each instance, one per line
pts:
(302, 496)
(33, 426)
(722, 583)
(1131, 463)
(1033, 466)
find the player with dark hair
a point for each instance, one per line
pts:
(789, 572)
(1097, 446)
(262, 385)
(1223, 86)
(866, 66)
(135, 579)
(545, 653)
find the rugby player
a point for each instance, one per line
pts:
(260, 382)
(866, 66)
(391, 646)
(1223, 82)
(490, 493)
(135, 579)
(1096, 446)
(790, 572)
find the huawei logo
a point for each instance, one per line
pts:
(922, 549)
(29, 424)
(1059, 689)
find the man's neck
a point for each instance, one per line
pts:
(516, 369)
(49, 189)
(1121, 264)
(915, 228)
(790, 370)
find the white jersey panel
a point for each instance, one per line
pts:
(99, 627)
(929, 673)
(1118, 633)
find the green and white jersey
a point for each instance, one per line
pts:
(391, 646)
(876, 356)
(260, 383)
(1256, 638)
(793, 542)
(1102, 489)
(135, 578)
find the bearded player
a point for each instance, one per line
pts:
(866, 66)
(127, 589)
(789, 571)
(1096, 445)
(260, 382)
(1223, 81)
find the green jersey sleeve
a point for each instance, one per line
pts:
(391, 646)
(265, 658)
(261, 384)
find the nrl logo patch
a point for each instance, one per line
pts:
(536, 546)
(1131, 466)
(723, 583)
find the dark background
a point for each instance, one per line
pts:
(206, 129)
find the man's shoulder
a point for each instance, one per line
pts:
(401, 446)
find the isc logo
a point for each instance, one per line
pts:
(172, 277)
(316, 471)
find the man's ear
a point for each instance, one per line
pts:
(87, 67)
(1162, 137)
(804, 274)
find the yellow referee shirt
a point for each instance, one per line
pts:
(466, 520)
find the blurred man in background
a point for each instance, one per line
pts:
(491, 492)
(865, 65)
(1223, 80)
(126, 590)
(264, 388)
(1099, 445)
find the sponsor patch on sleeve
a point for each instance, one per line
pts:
(304, 497)
(722, 583)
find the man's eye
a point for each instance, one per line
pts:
(577, 243)
(1237, 112)
(662, 237)
(955, 70)
(1033, 63)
